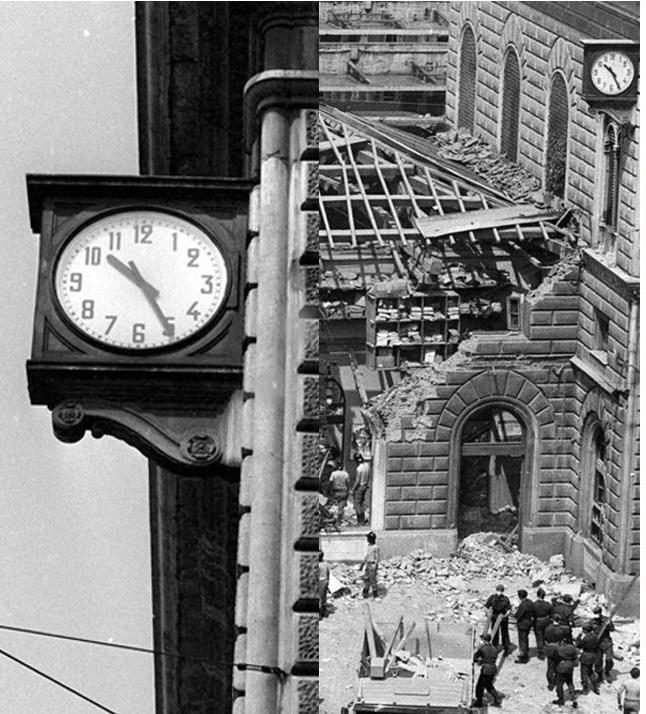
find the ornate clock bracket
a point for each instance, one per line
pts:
(167, 440)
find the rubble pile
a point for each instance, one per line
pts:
(480, 556)
(477, 155)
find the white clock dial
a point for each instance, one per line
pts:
(140, 279)
(612, 72)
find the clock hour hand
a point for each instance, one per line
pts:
(132, 273)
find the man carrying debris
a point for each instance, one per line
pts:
(360, 487)
(603, 627)
(524, 620)
(630, 691)
(542, 613)
(370, 566)
(565, 658)
(499, 606)
(340, 483)
(486, 656)
(588, 643)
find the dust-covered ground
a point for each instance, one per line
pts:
(454, 590)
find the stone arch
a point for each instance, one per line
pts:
(522, 397)
(507, 385)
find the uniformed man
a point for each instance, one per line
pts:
(554, 636)
(565, 607)
(486, 656)
(499, 604)
(524, 620)
(542, 612)
(588, 643)
(603, 627)
(565, 661)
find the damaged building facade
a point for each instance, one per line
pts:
(481, 313)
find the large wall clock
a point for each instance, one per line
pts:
(140, 279)
(141, 288)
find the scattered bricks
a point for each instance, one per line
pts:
(431, 478)
(404, 479)
(415, 522)
(400, 508)
(402, 449)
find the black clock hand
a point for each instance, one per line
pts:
(151, 295)
(614, 76)
(131, 273)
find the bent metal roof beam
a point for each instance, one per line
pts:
(380, 186)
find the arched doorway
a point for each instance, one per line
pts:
(493, 464)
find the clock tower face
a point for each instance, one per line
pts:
(612, 72)
(140, 280)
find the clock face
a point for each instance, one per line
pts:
(140, 279)
(612, 72)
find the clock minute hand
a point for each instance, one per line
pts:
(151, 295)
(612, 72)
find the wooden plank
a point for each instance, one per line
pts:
(439, 226)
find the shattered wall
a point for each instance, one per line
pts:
(545, 46)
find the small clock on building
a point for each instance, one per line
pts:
(610, 72)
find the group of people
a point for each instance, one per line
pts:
(341, 488)
(552, 623)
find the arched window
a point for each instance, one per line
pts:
(467, 87)
(599, 494)
(492, 455)
(557, 130)
(510, 107)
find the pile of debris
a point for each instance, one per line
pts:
(480, 556)
(477, 155)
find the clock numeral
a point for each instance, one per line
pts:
(76, 280)
(87, 309)
(207, 288)
(115, 240)
(111, 319)
(193, 257)
(169, 329)
(143, 233)
(194, 312)
(93, 255)
(174, 241)
(138, 332)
